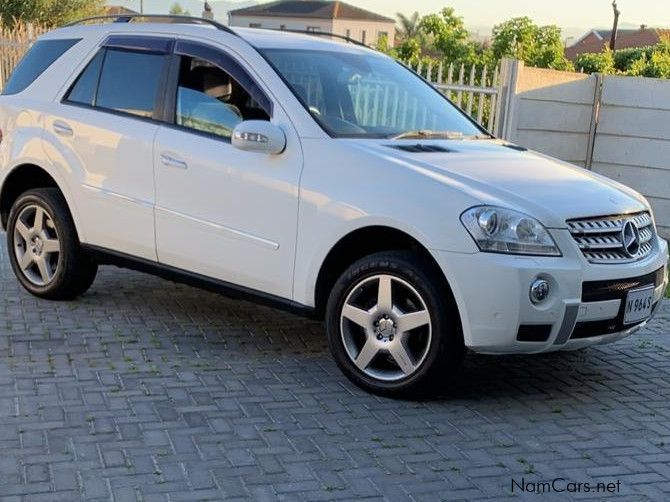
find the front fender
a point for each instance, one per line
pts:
(344, 190)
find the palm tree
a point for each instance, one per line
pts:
(410, 27)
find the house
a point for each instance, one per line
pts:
(117, 10)
(598, 40)
(317, 15)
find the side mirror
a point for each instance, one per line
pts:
(259, 136)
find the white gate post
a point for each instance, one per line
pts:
(510, 70)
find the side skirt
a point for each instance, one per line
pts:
(105, 256)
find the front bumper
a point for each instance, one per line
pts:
(584, 307)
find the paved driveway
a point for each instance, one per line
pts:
(152, 391)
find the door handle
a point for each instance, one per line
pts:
(62, 129)
(169, 161)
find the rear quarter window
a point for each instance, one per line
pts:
(40, 57)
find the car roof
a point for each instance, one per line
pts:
(257, 37)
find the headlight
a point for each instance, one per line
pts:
(500, 230)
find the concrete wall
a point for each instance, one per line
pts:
(616, 126)
(632, 143)
(553, 113)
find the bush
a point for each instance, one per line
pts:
(624, 58)
(602, 62)
(651, 62)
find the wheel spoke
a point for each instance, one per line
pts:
(51, 246)
(408, 322)
(384, 295)
(366, 355)
(26, 261)
(43, 267)
(23, 230)
(358, 316)
(38, 225)
(402, 357)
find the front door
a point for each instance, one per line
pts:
(222, 212)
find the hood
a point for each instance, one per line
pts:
(493, 173)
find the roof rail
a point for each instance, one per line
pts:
(323, 34)
(159, 18)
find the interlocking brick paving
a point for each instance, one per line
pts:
(146, 390)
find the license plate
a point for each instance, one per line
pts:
(638, 305)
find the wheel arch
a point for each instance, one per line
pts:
(363, 242)
(23, 177)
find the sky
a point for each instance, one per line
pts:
(572, 15)
(562, 12)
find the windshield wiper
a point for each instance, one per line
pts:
(428, 134)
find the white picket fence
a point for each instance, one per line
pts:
(475, 91)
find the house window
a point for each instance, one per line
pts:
(363, 36)
(382, 35)
(282, 26)
(313, 28)
(255, 25)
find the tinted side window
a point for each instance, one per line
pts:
(130, 81)
(210, 100)
(40, 56)
(84, 89)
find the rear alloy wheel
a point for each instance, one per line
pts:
(392, 330)
(36, 245)
(44, 249)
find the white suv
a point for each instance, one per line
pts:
(320, 176)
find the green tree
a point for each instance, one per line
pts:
(448, 36)
(48, 12)
(383, 44)
(178, 10)
(410, 26)
(539, 46)
(408, 51)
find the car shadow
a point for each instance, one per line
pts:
(240, 328)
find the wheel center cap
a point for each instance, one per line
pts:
(38, 246)
(386, 327)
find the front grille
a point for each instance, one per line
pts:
(601, 239)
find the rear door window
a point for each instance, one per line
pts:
(36, 61)
(130, 81)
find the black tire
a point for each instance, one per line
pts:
(445, 349)
(74, 272)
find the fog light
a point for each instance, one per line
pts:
(539, 290)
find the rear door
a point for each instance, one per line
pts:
(104, 130)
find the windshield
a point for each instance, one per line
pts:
(369, 96)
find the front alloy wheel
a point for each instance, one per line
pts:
(386, 328)
(393, 327)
